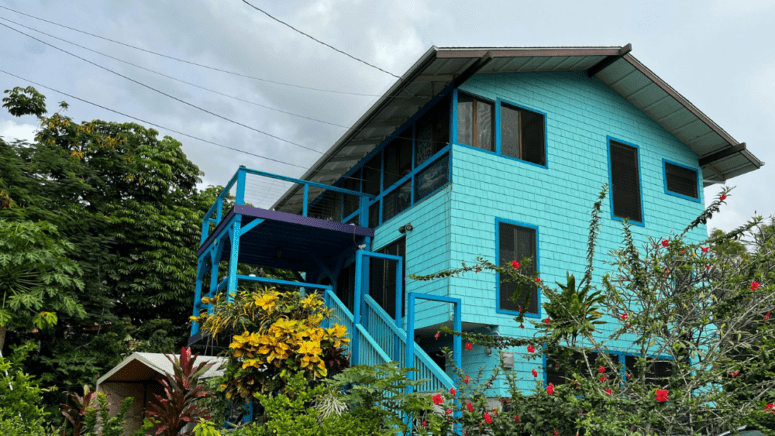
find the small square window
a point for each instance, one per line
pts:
(681, 180)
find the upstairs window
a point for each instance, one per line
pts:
(475, 122)
(432, 132)
(522, 134)
(625, 182)
(517, 243)
(681, 180)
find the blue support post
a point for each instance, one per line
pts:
(409, 358)
(231, 291)
(197, 293)
(214, 260)
(248, 417)
(306, 200)
(219, 210)
(399, 305)
(240, 198)
(358, 300)
(457, 323)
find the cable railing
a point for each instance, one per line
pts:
(264, 190)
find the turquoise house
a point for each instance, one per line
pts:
(491, 152)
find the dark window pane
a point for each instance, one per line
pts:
(432, 132)
(465, 119)
(517, 243)
(398, 159)
(371, 175)
(485, 131)
(431, 178)
(345, 284)
(625, 181)
(353, 183)
(681, 180)
(397, 201)
(657, 371)
(382, 286)
(510, 131)
(374, 215)
(533, 141)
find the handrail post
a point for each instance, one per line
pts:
(306, 200)
(240, 199)
(399, 305)
(363, 215)
(357, 306)
(409, 358)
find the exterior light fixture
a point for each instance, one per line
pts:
(405, 228)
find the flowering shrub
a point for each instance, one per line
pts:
(272, 335)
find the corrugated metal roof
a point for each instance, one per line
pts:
(440, 66)
(148, 366)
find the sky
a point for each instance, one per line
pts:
(717, 54)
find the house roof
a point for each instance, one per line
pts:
(152, 366)
(721, 156)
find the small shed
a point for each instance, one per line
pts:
(138, 377)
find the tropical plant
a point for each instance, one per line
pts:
(77, 414)
(183, 392)
(20, 395)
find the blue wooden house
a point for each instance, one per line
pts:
(492, 152)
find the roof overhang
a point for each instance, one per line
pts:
(721, 156)
(152, 366)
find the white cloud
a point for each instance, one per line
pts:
(10, 131)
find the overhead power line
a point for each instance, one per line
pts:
(190, 62)
(318, 41)
(153, 124)
(172, 77)
(164, 93)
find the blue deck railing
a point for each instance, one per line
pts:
(264, 190)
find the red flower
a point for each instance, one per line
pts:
(448, 412)
(494, 411)
(723, 197)
(627, 375)
(550, 389)
(535, 373)
(734, 374)
(452, 391)
(665, 242)
(470, 407)
(487, 418)
(425, 423)
(608, 391)
(465, 380)
(438, 399)
(661, 395)
(601, 369)
(602, 379)
(516, 419)
(623, 316)
(547, 320)
(707, 266)
(521, 326)
(629, 325)
(754, 285)
(515, 264)
(531, 349)
(767, 316)
(705, 249)
(437, 335)
(469, 346)
(554, 432)
(770, 407)
(477, 270)
(538, 279)
(683, 251)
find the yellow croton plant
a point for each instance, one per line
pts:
(282, 333)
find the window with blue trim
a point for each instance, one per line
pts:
(522, 134)
(475, 122)
(625, 181)
(681, 180)
(517, 243)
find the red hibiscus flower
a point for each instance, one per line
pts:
(487, 418)
(477, 270)
(754, 285)
(550, 389)
(601, 369)
(554, 432)
(448, 412)
(661, 395)
(470, 407)
(602, 379)
(623, 316)
(705, 249)
(734, 374)
(521, 326)
(452, 391)
(538, 279)
(547, 320)
(465, 380)
(608, 391)
(723, 197)
(469, 346)
(425, 423)
(531, 349)
(438, 399)
(515, 264)
(770, 407)
(707, 266)
(516, 419)
(437, 335)
(629, 325)
(535, 373)
(494, 411)
(767, 316)
(665, 242)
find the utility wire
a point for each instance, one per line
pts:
(174, 78)
(164, 93)
(190, 62)
(317, 40)
(153, 124)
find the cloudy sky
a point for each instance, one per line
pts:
(718, 54)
